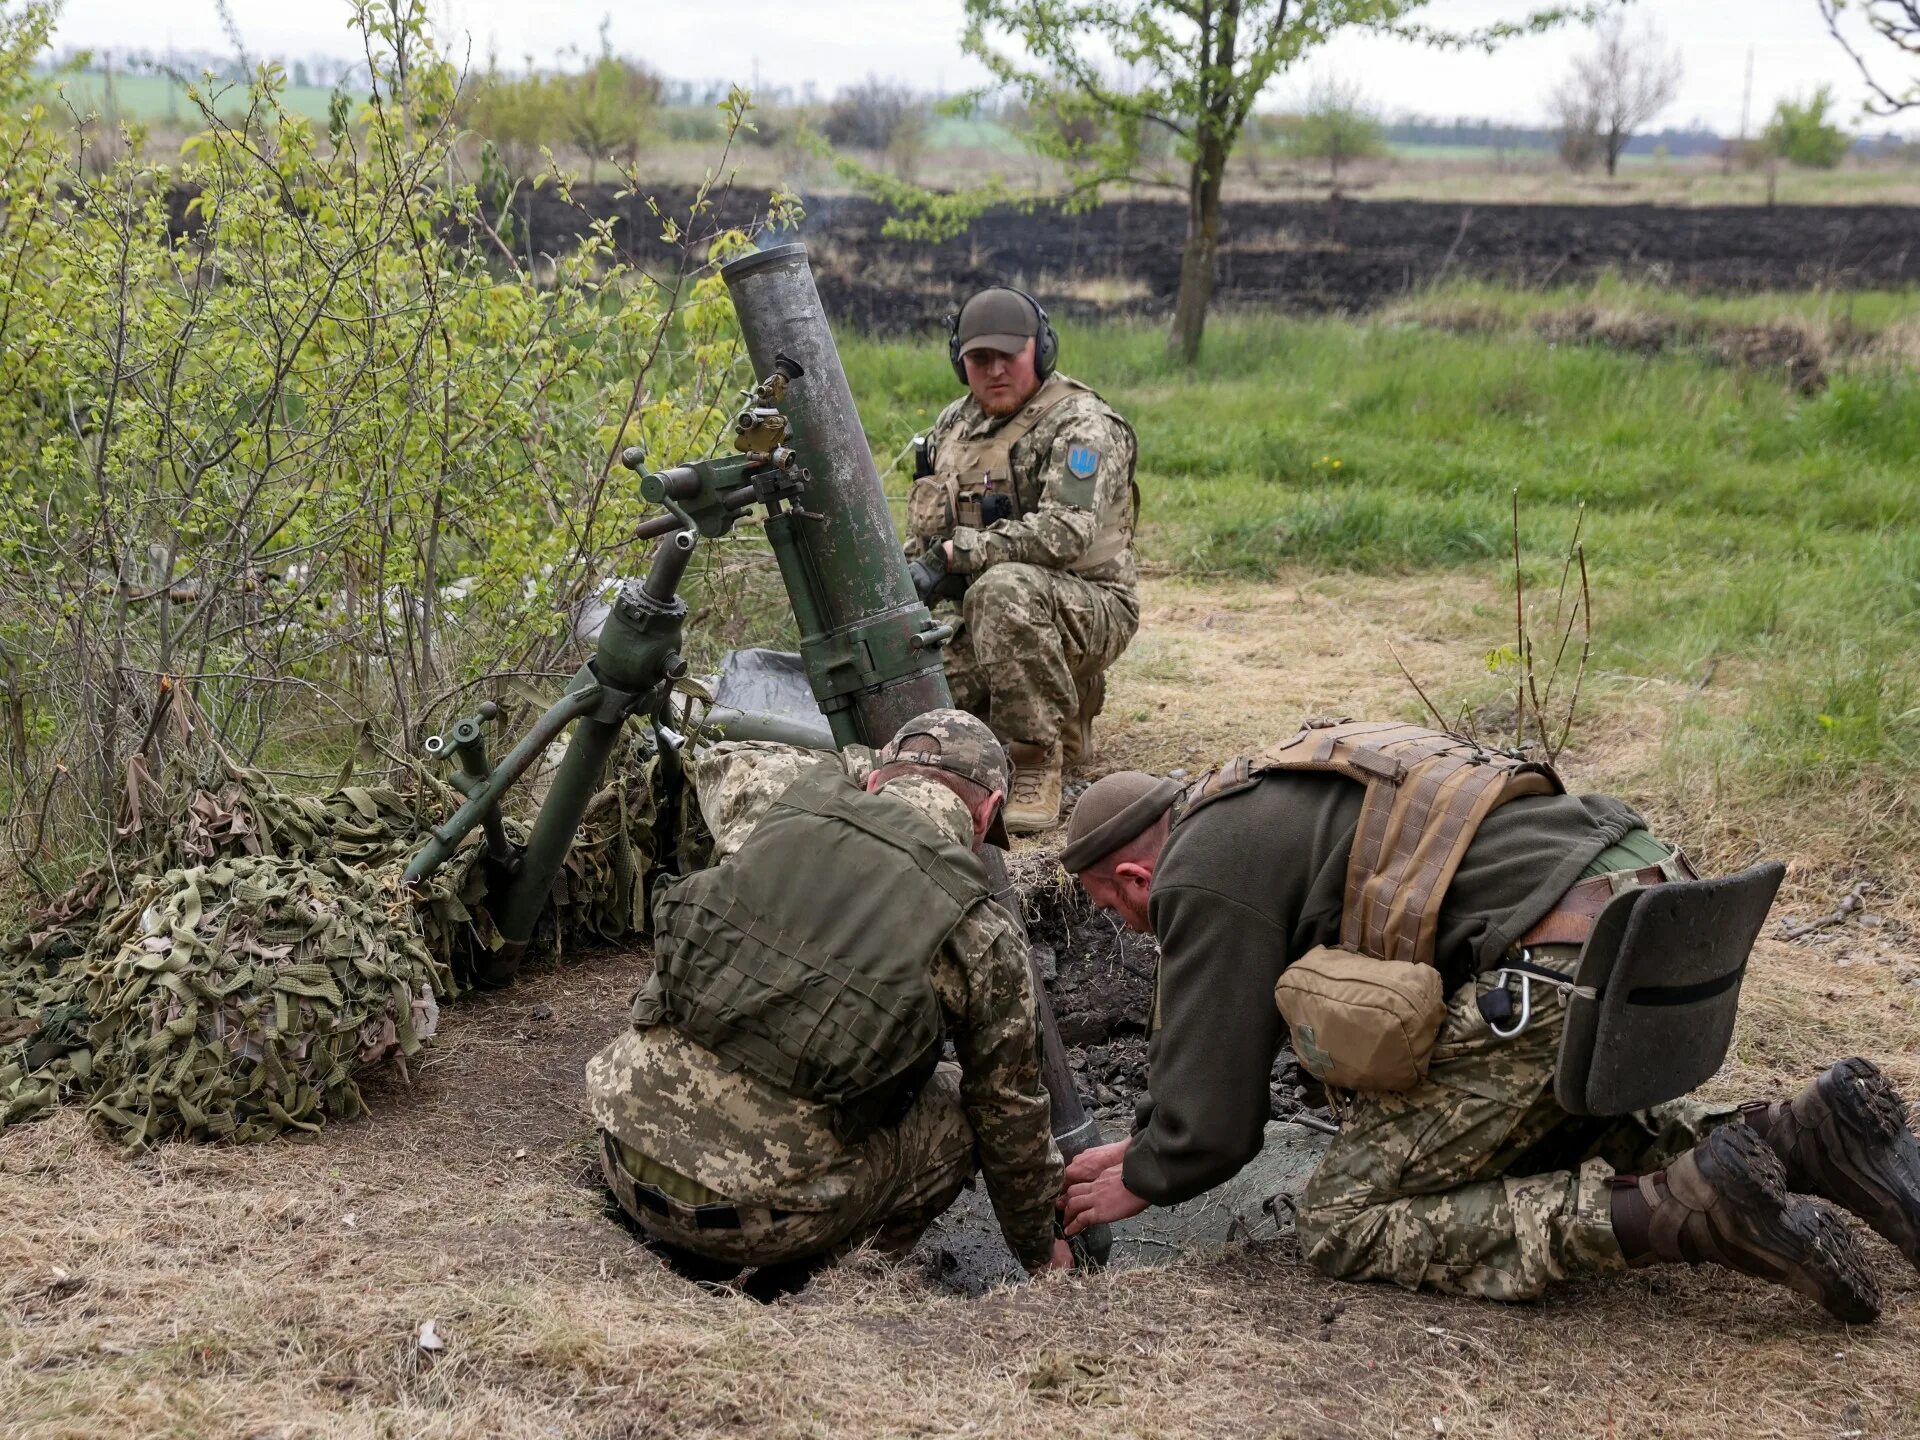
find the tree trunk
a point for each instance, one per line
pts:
(1196, 259)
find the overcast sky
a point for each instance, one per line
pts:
(834, 42)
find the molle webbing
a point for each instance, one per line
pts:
(972, 460)
(1427, 793)
(805, 958)
(967, 466)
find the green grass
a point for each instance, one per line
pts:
(1728, 518)
(156, 99)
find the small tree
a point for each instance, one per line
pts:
(518, 113)
(608, 107)
(1199, 66)
(1801, 134)
(1576, 127)
(1629, 78)
(1337, 126)
(1898, 23)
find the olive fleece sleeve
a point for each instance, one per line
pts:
(1210, 1059)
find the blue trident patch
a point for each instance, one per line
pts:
(1083, 460)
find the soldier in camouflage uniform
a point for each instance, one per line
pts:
(1475, 1181)
(1027, 501)
(713, 1160)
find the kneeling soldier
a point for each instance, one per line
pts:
(780, 1097)
(1458, 948)
(1023, 511)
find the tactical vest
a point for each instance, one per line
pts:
(804, 958)
(973, 482)
(1366, 1015)
(1427, 793)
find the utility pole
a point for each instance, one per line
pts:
(1746, 98)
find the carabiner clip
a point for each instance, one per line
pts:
(1526, 1004)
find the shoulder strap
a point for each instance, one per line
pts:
(1427, 793)
(824, 792)
(1050, 394)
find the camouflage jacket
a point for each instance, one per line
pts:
(1061, 507)
(675, 1103)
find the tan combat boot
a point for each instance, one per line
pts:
(1034, 804)
(1076, 736)
(1725, 1202)
(1845, 1139)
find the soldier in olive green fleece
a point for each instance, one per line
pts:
(1474, 1182)
(1030, 497)
(691, 1140)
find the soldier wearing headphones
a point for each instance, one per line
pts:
(1022, 511)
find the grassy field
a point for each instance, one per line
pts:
(1319, 496)
(1752, 546)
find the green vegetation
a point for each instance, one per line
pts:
(1802, 134)
(288, 485)
(1729, 520)
(1337, 126)
(1198, 67)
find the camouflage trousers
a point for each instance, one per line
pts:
(1029, 637)
(1476, 1182)
(903, 1178)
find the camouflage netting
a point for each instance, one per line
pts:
(239, 999)
(263, 958)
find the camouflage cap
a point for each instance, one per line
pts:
(953, 741)
(996, 319)
(1114, 809)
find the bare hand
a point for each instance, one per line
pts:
(946, 548)
(1089, 1163)
(1060, 1258)
(1101, 1201)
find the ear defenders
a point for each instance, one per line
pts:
(1046, 346)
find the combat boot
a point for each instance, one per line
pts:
(1725, 1202)
(1845, 1139)
(1076, 736)
(1034, 804)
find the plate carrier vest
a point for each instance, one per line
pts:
(1427, 793)
(968, 471)
(804, 958)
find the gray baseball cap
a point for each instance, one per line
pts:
(997, 319)
(956, 742)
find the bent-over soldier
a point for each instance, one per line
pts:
(1023, 510)
(1461, 950)
(780, 1097)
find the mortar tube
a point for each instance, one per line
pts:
(735, 724)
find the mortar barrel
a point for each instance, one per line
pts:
(853, 550)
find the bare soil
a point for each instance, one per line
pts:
(280, 1290)
(1311, 255)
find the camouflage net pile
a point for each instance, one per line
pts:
(263, 958)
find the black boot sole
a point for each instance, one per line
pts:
(1814, 1252)
(1864, 1103)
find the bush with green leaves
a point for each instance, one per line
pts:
(295, 453)
(1802, 133)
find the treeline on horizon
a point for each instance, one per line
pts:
(1411, 130)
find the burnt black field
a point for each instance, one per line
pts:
(1306, 256)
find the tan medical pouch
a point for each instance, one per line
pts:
(1361, 1023)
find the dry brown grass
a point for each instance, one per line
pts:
(278, 1290)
